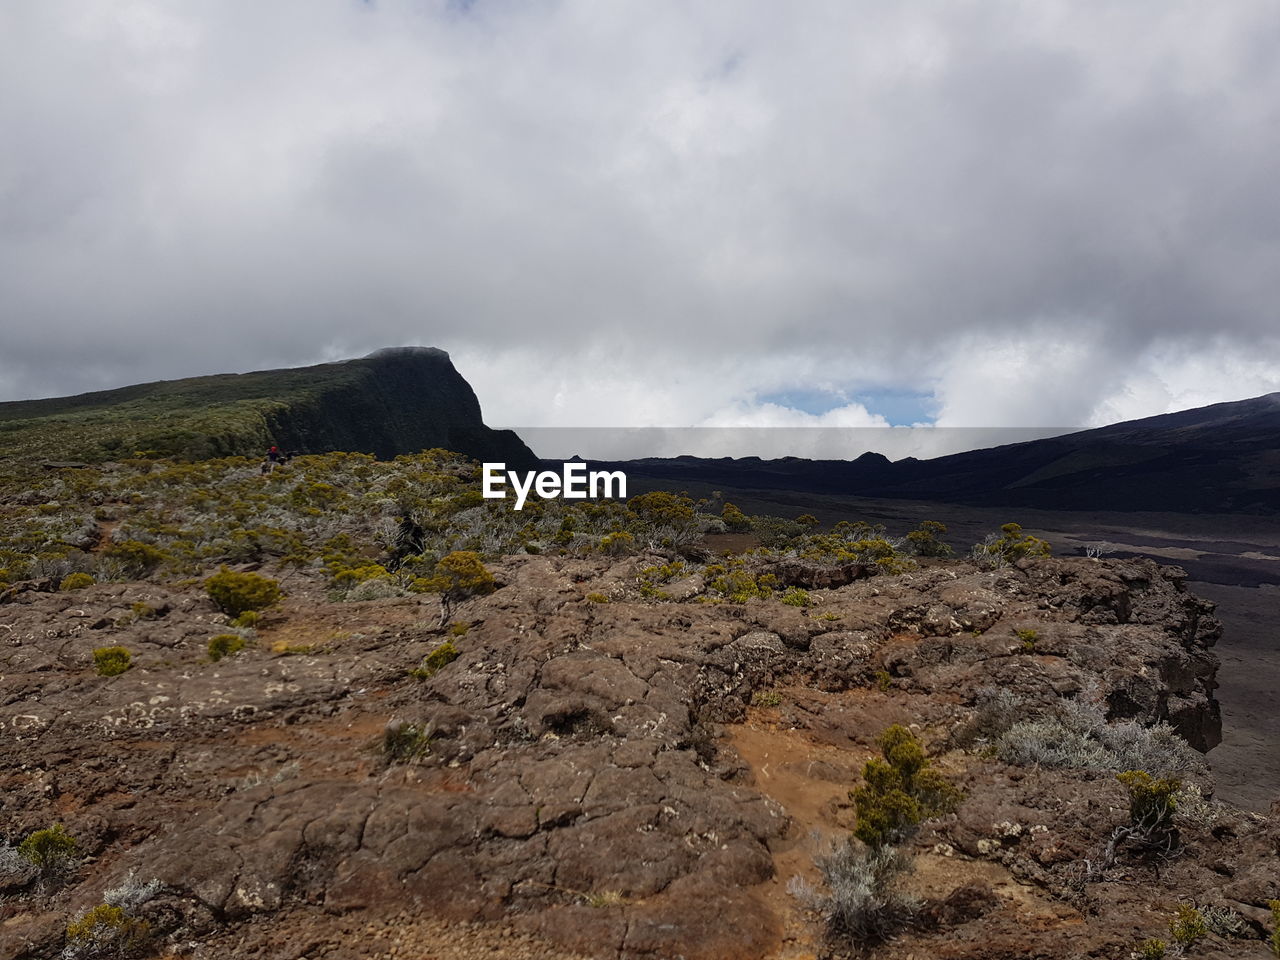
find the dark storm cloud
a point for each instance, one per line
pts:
(652, 212)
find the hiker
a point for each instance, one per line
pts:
(273, 460)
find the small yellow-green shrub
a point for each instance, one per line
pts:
(111, 661)
(76, 581)
(107, 930)
(49, 849)
(224, 645)
(438, 658)
(1187, 926)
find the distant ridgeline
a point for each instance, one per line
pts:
(1223, 458)
(392, 402)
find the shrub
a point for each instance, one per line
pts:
(1011, 546)
(50, 849)
(1150, 799)
(437, 659)
(597, 598)
(460, 629)
(807, 520)
(107, 930)
(734, 519)
(767, 698)
(660, 508)
(796, 597)
(1187, 926)
(899, 791)
(76, 581)
(235, 593)
(144, 611)
(1077, 736)
(617, 543)
(1274, 942)
(925, 540)
(404, 742)
(860, 902)
(111, 661)
(1153, 949)
(741, 585)
(459, 575)
(135, 557)
(224, 645)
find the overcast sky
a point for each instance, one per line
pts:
(989, 213)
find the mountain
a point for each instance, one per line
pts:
(395, 401)
(1223, 458)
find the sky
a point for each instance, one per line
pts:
(654, 213)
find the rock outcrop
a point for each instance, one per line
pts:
(625, 779)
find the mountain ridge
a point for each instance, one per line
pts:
(394, 401)
(1221, 458)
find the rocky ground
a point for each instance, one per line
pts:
(599, 774)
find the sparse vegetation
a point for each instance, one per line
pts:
(111, 661)
(76, 581)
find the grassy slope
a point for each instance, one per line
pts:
(200, 417)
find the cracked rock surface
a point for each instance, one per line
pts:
(577, 787)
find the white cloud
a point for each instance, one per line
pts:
(650, 212)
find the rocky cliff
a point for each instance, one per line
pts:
(392, 402)
(620, 775)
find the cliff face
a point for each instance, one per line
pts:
(395, 401)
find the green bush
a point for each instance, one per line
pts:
(899, 791)
(1274, 942)
(1151, 799)
(797, 597)
(734, 519)
(1153, 949)
(76, 581)
(459, 575)
(137, 558)
(617, 543)
(1187, 926)
(1012, 545)
(236, 593)
(224, 645)
(926, 540)
(438, 658)
(50, 849)
(111, 661)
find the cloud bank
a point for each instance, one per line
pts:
(652, 213)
